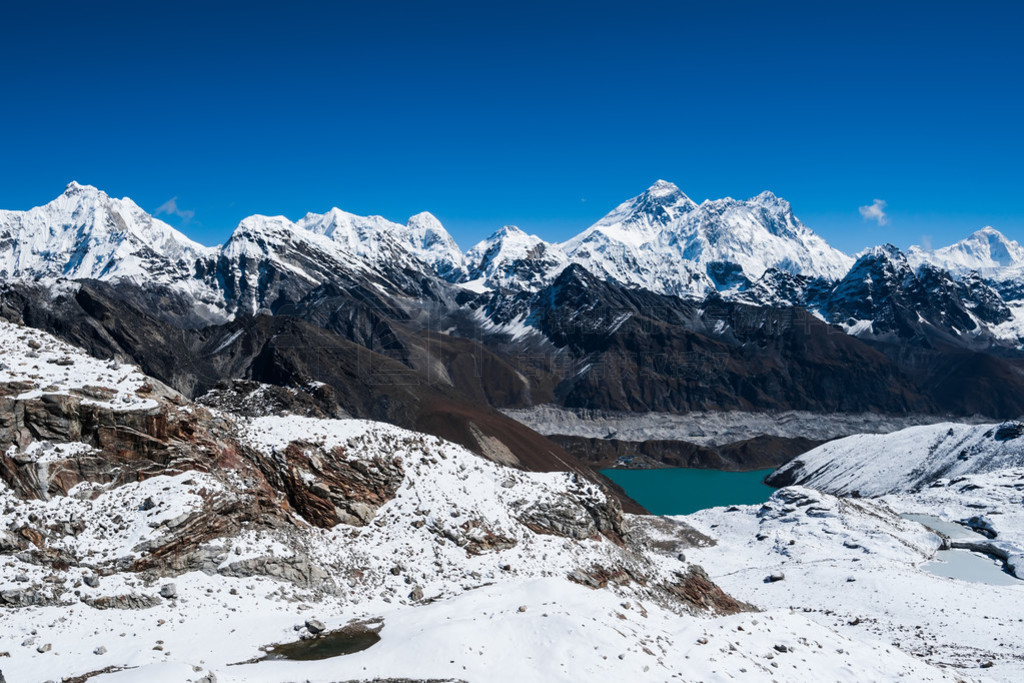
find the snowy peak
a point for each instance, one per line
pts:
(348, 238)
(428, 239)
(661, 240)
(85, 234)
(636, 220)
(884, 253)
(74, 188)
(986, 251)
(513, 259)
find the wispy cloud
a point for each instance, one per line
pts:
(875, 212)
(171, 208)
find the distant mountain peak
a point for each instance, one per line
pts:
(986, 251)
(663, 188)
(75, 188)
(508, 231)
(885, 251)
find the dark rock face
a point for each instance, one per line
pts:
(695, 588)
(327, 489)
(633, 351)
(907, 304)
(130, 445)
(253, 399)
(579, 515)
(630, 350)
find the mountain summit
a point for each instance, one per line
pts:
(661, 240)
(86, 234)
(986, 251)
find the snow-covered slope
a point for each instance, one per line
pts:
(913, 458)
(36, 364)
(859, 568)
(84, 233)
(986, 251)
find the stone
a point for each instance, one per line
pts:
(169, 591)
(91, 580)
(416, 594)
(101, 650)
(775, 577)
(315, 626)
(44, 648)
(522, 608)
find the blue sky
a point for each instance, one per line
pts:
(540, 114)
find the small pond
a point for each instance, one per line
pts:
(961, 564)
(681, 491)
(344, 641)
(970, 566)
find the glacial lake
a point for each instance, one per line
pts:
(681, 491)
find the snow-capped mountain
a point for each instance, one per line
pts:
(987, 251)
(661, 240)
(883, 294)
(511, 259)
(86, 234)
(753, 251)
(269, 260)
(429, 241)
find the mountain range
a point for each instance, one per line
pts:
(756, 251)
(663, 305)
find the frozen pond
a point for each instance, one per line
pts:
(953, 530)
(969, 566)
(964, 565)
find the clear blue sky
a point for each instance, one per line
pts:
(540, 114)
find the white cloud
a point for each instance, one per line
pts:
(875, 212)
(171, 208)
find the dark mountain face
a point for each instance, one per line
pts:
(329, 372)
(884, 291)
(631, 350)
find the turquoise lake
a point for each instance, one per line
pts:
(680, 491)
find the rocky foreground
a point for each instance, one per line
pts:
(145, 537)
